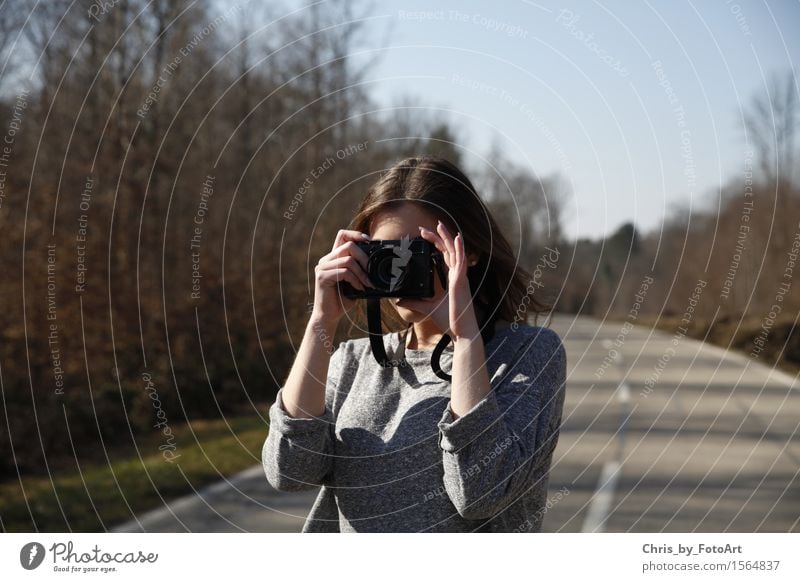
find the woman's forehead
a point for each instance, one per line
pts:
(400, 220)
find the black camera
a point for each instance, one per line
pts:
(399, 268)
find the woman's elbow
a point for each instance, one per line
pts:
(473, 505)
(474, 510)
(277, 474)
(280, 481)
(286, 484)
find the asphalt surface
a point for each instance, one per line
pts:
(660, 434)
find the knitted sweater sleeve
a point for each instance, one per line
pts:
(298, 452)
(497, 450)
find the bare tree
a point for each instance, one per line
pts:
(770, 123)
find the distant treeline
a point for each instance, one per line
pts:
(172, 171)
(171, 175)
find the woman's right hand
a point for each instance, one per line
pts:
(345, 262)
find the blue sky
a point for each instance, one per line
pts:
(637, 104)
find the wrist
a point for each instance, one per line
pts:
(322, 323)
(466, 327)
(467, 336)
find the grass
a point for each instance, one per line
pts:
(92, 500)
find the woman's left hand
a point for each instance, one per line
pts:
(455, 316)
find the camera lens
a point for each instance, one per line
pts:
(385, 269)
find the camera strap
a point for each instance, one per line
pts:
(487, 333)
(376, 335)
(379, 350)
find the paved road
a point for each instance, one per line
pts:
(658, 435)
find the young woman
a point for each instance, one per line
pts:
(399, 448)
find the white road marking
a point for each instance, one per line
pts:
(603, 497)
(624, 393)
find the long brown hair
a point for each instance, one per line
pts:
(496, 280)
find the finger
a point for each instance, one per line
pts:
(459, 248)
(341, 274)
(352, 249)
(351, 263)
(449, 254)
(448, 240)
(442, 230)
(432, 238)
(345, 235)
(437, 241)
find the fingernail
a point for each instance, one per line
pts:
(364, 235)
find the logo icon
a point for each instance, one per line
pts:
(31, 555)
(402, 256)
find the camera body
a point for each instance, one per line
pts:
(399, 268)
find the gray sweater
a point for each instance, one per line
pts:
(391, 458)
